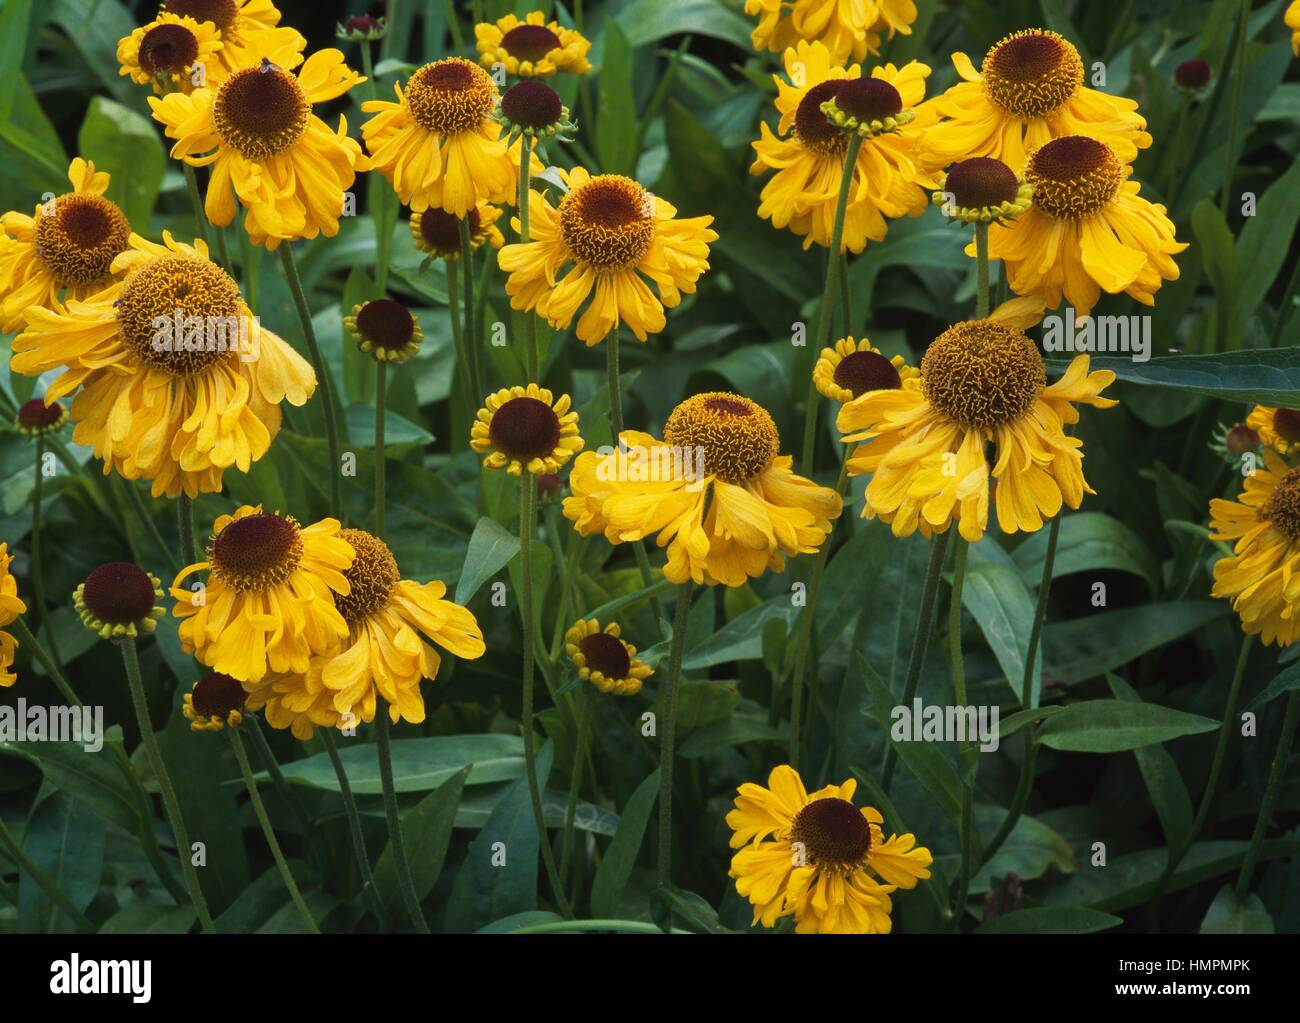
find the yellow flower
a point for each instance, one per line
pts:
(249, 29)
(981, 382)
(64, 250)
(268, 601)
(852, 368)
(604, 659)
(437, 232)
(257, 132)
(848, 28)
(1261, 577)
(11, 606)
(616, 235)
(532, 48)
(172, 53)
(523, 428)
(716, 490)
(181, 411)
(384, 329)
(1279, 428)
(214, 702)
(1293, 23)
(808, 150)
(1029, 91)
(118, 599)
(1087, 231)
(818, 857)
(439, 145)
(392, 624)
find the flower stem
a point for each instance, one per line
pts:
(920, 640)
(471, 318)
(982, 270)
(43, 880)
(281, 783)
(453, 23)
(668, 743)
(200, 214)
(464, 370)
(1275, 775)
(1234, 105)
(131, 661)
(38, 574)
(185, 523)
(322, 375)
(525, 202)
(827, 307)
(354, 824)
(383, 225)
(958, 670)
(575, 783)
(401, 865)
(527, 528)
(381, 389)
(237, 744)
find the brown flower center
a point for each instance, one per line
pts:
(217, 696)
(982, 374)
(532, 104)
(833, 833)
(119, 593)
(530, 42)
(524, 428)
(868, 99)
(735, 436)
(34, 414)
(372, 577)
(1073, 176)
(981, 182)
(1287, 424)
(450, 96)
(1031, 74)
(608, 222)
(1283, 508)
(865, 371)
(256, 552)
(79, 239)
(261, 111)
(386, 323)
(168, 48)
(813, 130)
(606, 654)
(222, 13)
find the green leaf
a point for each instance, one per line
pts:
(65, 839)
(1266, 238)
(616, 115)
(491, 548)
(741, 639)
(999, 601)
(616, 866)
(150, 918)
(511, 923)
(737, 728)
(1265, 376)
(1088, 541)
(648, 21)
(14, 19)
(397, 429)
(94, 27)
(1283, 682)
(689, 911)
(1164, 782)
(1030, 850)
(1051, 920)
(92, 779)
(1218, 257)
(1111, 726)
(1011, 725)
(125, 143)
(427, 830)
(1230, 914)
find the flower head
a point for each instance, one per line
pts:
(214, 702)
(522, 428)
(362, 28)
(119, 599)
(982, 190)
(247, 29)
(716, 490)
(36, 418)
(534, 109)
(437, 232)
(384, 329)
(11, 606)
(1292, 19)
(845, 29)
(1279, 428)
(818, 857)
(852, 368)
(604, 658)
(172, 53)
(1192, 76)
(613, 236)
(532, 48)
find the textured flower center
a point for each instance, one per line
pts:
(1192, 74)
(168, 48)
(256, 552)
(222, 13)
(812, 128)
(532, 104)
(609, 222)
(450, 96)
(606, 654)
(833, 833)
(861, 372)
(180, 314)
(980, 182)
(868, 99)
(119, 593)
(372, 577)
(981, 374)
(1287, 424)
(386, 323)
(217, 696)
(524, 428)
(36, 415)
(1073, 176)
(79, 240)
(1240, 439)
(441, 230)
(1030, 74)
(261, 111)
(361, 23)
(737, 436)
(1283, 509)
(530, 42)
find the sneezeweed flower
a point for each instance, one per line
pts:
(437, 232)
(249, 28)
(1261, 577)
(1279, 428)
(603, 658)
(818, 857)
(532, 48)
(257, 132)
(808, 150)
(982, 190)
(35, 418)
(612, 235)
(119, 599)
(1293, 23)
(64, 250)
(845, 29)
(525, 428)
(11, 606)
(394, 627)
(534, 109)
(385, 330)
(1028, 91)
(1087, 231)
(1192, 76)
(1234, 442)
(439, 145)
(362, 28)
(981, 382)
(716, 490)
(214, 702)
(172, 53)
(268, 602)
(180, 413)
(852, 368)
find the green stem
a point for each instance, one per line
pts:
(668, 742)
(525, 202)
(814, 677)
(1234, 105)
(958, 670)
(200, 213)
(185, 524)
(38, 573)
(846, 299)
(383, 227)
(982, 270)
(1275, 775)
(575, 783)
(142, 513)
(527, 528)
(401, 864)
(237, 744)
(43, 880)
(471, 324)
(381, 389)
(131, 661)
(464, 370)
(322, 376)
(920, 640)
(281, 783)
(822, 333)
(368, 890)
(453, 23)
